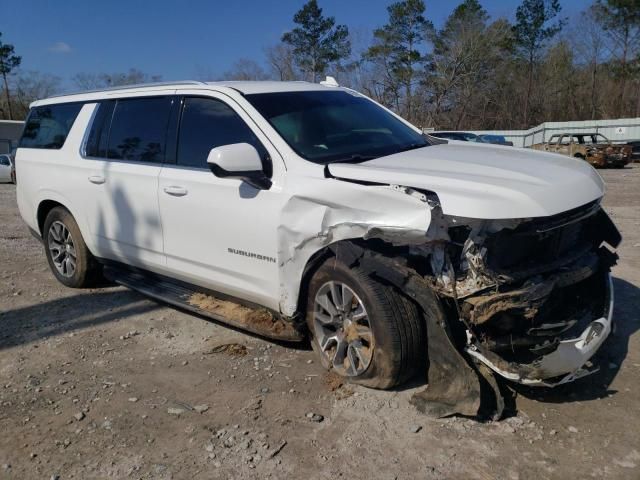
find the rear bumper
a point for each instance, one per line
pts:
(567, 362)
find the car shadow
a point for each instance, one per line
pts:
(55, 317)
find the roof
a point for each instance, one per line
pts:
(576, 134)
(245, 87)
(249, 87)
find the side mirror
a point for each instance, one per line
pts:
(239, 160)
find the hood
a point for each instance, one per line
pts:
(485, 181)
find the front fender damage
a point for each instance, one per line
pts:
(516, 298)
(398, 216)
(455, 385)
(310, 223)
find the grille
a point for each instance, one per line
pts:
(539, 242)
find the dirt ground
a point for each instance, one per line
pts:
(106, 383)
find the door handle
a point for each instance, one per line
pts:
(176, 191)
(97, 179)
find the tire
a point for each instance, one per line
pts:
(86, 270)
(395, 345)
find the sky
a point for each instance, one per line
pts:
(180, 40)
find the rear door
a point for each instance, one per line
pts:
(220, 233)
(125, 149)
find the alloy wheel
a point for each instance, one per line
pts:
(62, 249)
(342, 329)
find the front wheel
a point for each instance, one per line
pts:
(69, 258)
(363, 330)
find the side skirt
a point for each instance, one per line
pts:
(216, 306)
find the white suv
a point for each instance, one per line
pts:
(290, 209)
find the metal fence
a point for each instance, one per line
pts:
(618, 131)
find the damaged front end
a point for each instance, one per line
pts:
(533, 296)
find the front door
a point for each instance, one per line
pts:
(220, 233)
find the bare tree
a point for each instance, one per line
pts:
(590, 46)
(246, 69)
(281, 62)
(30, 86)
(93, 81)
(620, 21)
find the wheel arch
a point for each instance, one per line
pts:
(50, 200)
(347, 251)
(44, 207)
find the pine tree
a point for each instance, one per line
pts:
(398, 46)
(8, 62)
(317, 41)
(532, 31)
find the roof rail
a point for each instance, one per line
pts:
(131, 87)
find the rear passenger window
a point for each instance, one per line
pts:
(48, 126)
(208, 123)
(139, 129)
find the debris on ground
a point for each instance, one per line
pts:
(232, 349)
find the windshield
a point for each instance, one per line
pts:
(326, 127)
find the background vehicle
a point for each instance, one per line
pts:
(595, 148)
(635, 150)
(460, 136)
(295, 210)
(472, 137)
(7, 170)
(495, 139)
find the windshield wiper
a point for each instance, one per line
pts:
(413, 146)
(359, 157)
(355, 158)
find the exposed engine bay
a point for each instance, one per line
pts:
(524, 290)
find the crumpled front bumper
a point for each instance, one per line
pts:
(567, 362)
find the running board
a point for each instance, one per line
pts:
(218, 307)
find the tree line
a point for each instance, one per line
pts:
(473, 72)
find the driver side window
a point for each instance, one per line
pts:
(208, 123)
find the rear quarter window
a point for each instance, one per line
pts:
(48, 126)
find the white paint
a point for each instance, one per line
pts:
(486, 181)
(239, 157)
(189, 224)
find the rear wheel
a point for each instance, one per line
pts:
(362, 329)
(69, 258)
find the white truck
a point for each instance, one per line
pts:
(297, 210)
